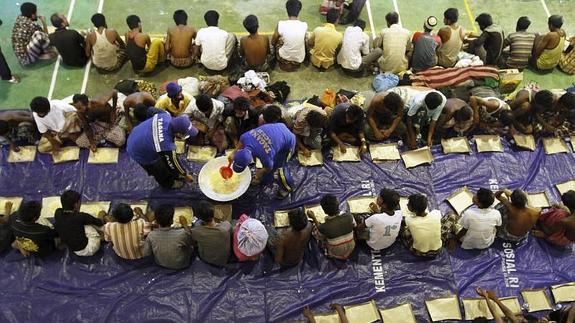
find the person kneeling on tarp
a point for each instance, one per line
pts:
(151, 144)
(273, 144)
(517, 217)
(557, 224)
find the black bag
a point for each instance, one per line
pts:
(280, 89)
(127, 87)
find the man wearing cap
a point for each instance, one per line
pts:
(175, 100)
(151, 144)
(424, 46)
(273, 144)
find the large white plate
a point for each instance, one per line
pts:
(214, 166)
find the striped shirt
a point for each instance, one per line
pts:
(127, 238)
(521, 44)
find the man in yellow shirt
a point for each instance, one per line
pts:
(325, 42)
(175, 100)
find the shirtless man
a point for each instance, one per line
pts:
(17, 129)
(384, 116)
(144, 53)
(547, 49)
(105, 46)
(457, 119)
(289, 246)
(179, 40)
(254, 48)
(517, 217)
(130, 103)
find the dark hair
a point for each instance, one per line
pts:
(297, 219)
(69, 199)
(211, 17)
(484, 20)
(204, 102)
(451, 15)
(330, 204)
(40, 104)
(28, 9)
(332, 16)
(272, 114)
(393, 102)
(30, 211)
(315, 119)
(544, 98)
(99, 20)
(360, 23)
(251, 24)
(204, 211)
(567, 101)
(568, 199)
(82, 98)
(463, 114)
(555, 21)
(519, 199)
(506, 117)
(389, 197)
(354, 112)
(433, 100)
(141, 112)
(523, 23)
(123, 213)
(164, 215)
(485, 198)
(417, 203)
(180, 17)
(293, 7)
(56, 20)
(4, 127)
(392, 18)
(133, 21)
(242, 103)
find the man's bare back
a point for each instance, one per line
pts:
(179, 41)
(255, 49)
(293, 244)
(139, 97)
(522, 220)
(139, 38)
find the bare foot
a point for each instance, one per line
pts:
(48, 56)
(14, 80)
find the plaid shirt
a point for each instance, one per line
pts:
(22, 32)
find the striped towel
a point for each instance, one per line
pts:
(442, 77)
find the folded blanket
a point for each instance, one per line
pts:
(442, 77)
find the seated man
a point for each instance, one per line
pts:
(255, 49)
(289, 245)
(520, 45)
(517, 217)
(551, 113)
(557, 224)
(355, 54)
(171, 247)
(425, 45)
(479, 223)
(424, 110)
(127, 232)
(422, 230)
(382, 228)
(567, 62)
(208, 117)
(211, 238)
(69, 43)
(290, 38)
(105, 46)
(309, 122)
(78, 230)
(175, 101)
(512, 124)
(241, 119)
(384, 116)
(17, 129)
(346, 125)
(144, 53)
(335, 235)
(547, 48)
(249, 238)
(457, 119)
(213, 45)
(452, 36)
(489, 45)
(179, 41)
(98, 120)
(325, 42)
(143, 99)
(152, 145)
(273, 144)
(31, 237)
(396, 43)
(56, 121)
(30, 41)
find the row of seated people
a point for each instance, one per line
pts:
(394, 50)
(135, 234)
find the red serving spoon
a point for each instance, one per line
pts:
(226, 171)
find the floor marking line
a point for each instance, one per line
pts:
(470, 15)
(396, 8)
(57, 65)
(89, 65)
(370, 17)
(544, 4)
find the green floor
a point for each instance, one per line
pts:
(156, 17)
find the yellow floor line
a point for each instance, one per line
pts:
(470, 15)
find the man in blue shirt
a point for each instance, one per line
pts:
(273, 144)
(151, 144)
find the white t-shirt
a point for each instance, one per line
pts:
(355, 44)
(215, 117)
(480, 225)
(418, 102)
(383, 229)
(213, 41)
(292, 34)
(55, 119)
(425, 230)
